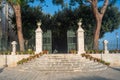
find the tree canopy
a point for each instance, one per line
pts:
(97, 11)
(67, 19)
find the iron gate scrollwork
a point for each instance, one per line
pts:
(71, 40)
(47, 41)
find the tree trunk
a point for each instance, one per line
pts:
(98, 16)
(97, 33)
(17, 11)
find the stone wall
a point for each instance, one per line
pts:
(114, 59)
(11, 60)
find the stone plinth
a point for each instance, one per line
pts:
(80, 39)
(105, 42)
(11, 60)
(14, 43)
(38, 39)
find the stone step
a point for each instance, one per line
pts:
(62, 62)
(82, 69)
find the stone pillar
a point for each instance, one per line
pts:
(105, 42)
(38, 39)
(80, 39)
(14, 43)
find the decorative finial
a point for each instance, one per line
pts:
(39, 23)
(80, 22)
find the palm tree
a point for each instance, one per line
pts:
(17, 10)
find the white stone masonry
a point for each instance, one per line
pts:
(105, 42)
(80, 39)
(14, 43)
(38, 39)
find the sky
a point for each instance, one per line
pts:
(110, 36)
(50, 8)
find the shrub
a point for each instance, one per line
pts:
(87, 56)
(107, 63)
(91, 58)
(102, 61)
(45, 52)
(100, 51)
(5, 52)
(73, 51)
(87, 51)
(83, 55)
(95, 59)
(24, 60)
(91, 51)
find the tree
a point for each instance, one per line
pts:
(98, 17)
(29, 23)
(16, 4)
(66, 19)
(98, 13)
(17, 10)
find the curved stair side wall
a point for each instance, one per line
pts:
(11, 60)
(114, 59)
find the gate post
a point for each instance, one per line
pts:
(105, 42)
(80, 39)
(38, 39)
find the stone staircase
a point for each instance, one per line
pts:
(62, 62)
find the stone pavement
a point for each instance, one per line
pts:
(16, 74)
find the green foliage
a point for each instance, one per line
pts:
(73, 3)
(25, 52)
(5, 52)
(87, 56)
(25, 60)
(64, 20)
(58, 2)
(107, 63)
(67, 19)
(111, 20)
(73, 52)
(84, 11)
(30, 16)
(21, 2)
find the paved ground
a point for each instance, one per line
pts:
(16, 74)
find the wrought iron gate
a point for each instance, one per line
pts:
(71, 40)
(47, 41)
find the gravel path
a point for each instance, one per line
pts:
(16, 74)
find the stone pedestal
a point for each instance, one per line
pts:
(105, 42)
(38, 39)
(80, 39)
(14, 43)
